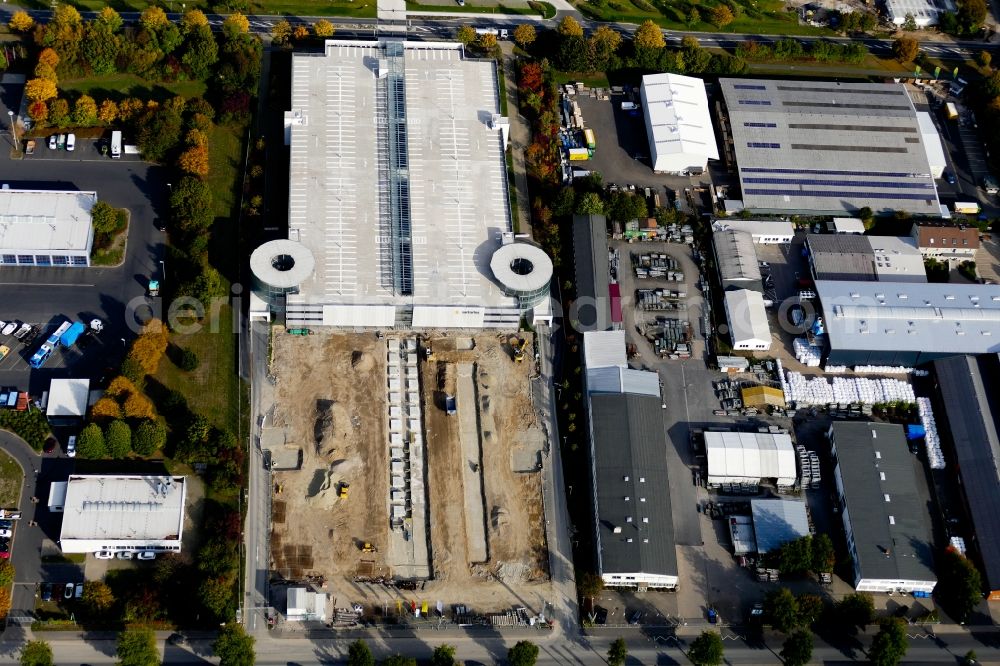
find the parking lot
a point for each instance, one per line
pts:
(622, 154)
(44, 296)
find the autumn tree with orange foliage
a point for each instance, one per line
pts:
(149, 347)
(106, 408)
(4, 602)
(194, 160)
(138, 406)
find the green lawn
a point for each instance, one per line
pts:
(120, 86)
(225, 167)
(591, 79)
(756, 16)
(11, 476)
(499, 8)
(211, 389)
(359, 8)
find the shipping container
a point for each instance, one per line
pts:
(951, 110)
(967, 207)
(576, 154)
(591, 138)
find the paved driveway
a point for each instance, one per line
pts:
(31, 541)
(44, 295)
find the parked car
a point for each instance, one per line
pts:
(949, 177)
(71, 141)
(6, 534)
(104, 555)
(4, 350)
(600, 615)
(4, 549)
(6, 524)
(79, 590)
(68, 591)
(10, 328)
(146, 555)
(124, 555)
(71, 446)
(61, 141)
(49, 446)
(46, 592)
(53, 142)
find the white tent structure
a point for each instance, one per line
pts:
(678, 123)
(747, 458)
(932, 143)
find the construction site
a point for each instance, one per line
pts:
(404, 462)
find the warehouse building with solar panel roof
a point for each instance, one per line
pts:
(828, 148)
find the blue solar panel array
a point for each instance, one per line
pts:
(755, 102)
(762, 144)
(833, 172)
(748, 86)
(840, 195)
(760, 125)
(838, 183)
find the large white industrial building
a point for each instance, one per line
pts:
(827, 147)
(678, 123)
(120, 512)
(747, 458)
(398, 209)
(46, 227)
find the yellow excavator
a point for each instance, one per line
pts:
(518, 345)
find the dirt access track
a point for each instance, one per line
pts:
(484, 498)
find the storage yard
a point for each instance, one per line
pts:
(354, 411)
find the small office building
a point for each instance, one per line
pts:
(67, 404)
(946, 242)
(120, 512)
(46, 227)
(762, 232)
(747, 320)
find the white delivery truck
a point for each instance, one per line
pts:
(499, 33)
(116, 145)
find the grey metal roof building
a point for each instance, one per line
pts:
(906, 323)
(867, 258)
(778, 521)
(826, 147)
(969, 419)
(736, 260)
(841, 257)
(885, 510)
(590, 262)
(634, 521)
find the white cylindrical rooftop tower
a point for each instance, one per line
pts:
(278, 268)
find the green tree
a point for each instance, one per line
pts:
(524, 653)
(781, 609)
(444, 655)
(856, 610)
(810, 608)
(798, 648)
(573, 54)
(191, 204)
(905, 49)
(234, 25)
(104, 218)
(119, 439)
(201, 52)
(90, 442)
(218, 596)
(564, 203)
(466, 34)
(823, 557)
(149, 437)
(970, 16)
(399, 660)
(281, 32)
(706, 650)
(137, 647)
(159, 131)
(604, 43)
(889, 645)
(359, 654)
(618, 652)
(97, 596)
(959, 585)
(590, 204)
(6, 573)
(36, 653)
(570, 27)
(234, 647)
(796, 556)
(985, 58)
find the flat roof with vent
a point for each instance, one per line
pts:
(885, 504)
(635, 527)
(47, 220)
(107, 512)
(678, 122)
(933, 319)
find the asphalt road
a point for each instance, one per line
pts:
(257, 528)
(487, 648)
(28, 541)
(45, 295)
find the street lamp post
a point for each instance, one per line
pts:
(13, 130)
(163, 270)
